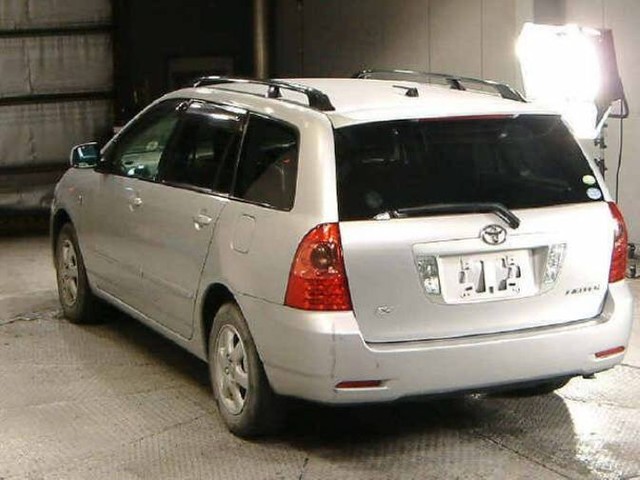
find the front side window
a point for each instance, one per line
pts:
(268, 167)
(204, 149)
(524, 161)
(137, 154)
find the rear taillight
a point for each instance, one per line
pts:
(619, 256)
(317, 280)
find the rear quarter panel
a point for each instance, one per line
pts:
(253, 246)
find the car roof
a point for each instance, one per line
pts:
(366, 100)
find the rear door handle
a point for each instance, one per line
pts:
(201, 221)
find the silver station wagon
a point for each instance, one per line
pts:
(350, 240)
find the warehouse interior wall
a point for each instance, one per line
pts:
(622, 17)
(465, 37)
(55, 89)
(160, 45)
(336, 38)
(72, 70)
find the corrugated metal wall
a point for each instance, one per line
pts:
(56, 79)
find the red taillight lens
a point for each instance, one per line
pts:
(619, 256)
(317, 280)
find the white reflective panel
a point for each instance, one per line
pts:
(22, 14)
(55, 64)
(12, 13)
(16, 195)
(14, 67)
(44, 134)
(78, 63)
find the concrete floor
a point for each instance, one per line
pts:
(118, 401)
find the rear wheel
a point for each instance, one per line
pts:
(79, 305)
(247, 404)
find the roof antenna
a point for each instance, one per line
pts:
(410, 91)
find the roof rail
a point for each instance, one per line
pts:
(454, 81)
(317, 99)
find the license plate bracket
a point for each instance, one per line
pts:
(487, 276)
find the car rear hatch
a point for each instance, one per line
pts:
(418, 268)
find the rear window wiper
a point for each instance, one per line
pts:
(499, 209)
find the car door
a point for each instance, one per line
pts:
(176, 218)
(129, 164)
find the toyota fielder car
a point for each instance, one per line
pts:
(348, 241)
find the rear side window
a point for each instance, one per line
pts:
(522, 162)
(268, 166)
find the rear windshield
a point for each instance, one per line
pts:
(522, 162)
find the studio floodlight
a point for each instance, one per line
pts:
(573, 70)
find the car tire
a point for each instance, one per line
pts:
(246, 402)
(79, 304)
(544, 388)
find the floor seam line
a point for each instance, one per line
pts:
(519, 454)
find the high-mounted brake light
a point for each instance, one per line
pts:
(619, 256)
(318, 280)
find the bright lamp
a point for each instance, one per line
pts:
(566, 69)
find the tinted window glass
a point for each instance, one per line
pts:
(207, 138)
(522, 162)
(268, 164)
(137, 153)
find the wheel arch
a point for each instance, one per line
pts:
(215, 296)
(59, 219)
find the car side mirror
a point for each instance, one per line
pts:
(85, 155)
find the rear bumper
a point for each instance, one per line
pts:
(306, 354)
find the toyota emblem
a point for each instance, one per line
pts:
(493, 234)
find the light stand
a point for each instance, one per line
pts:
(600, 142)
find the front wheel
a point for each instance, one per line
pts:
(247, 404)
(79, 305)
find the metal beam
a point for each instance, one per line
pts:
(30, 169)
(57, 32)
(55, 98)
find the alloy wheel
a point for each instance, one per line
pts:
(68, 267)
(231, 372)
